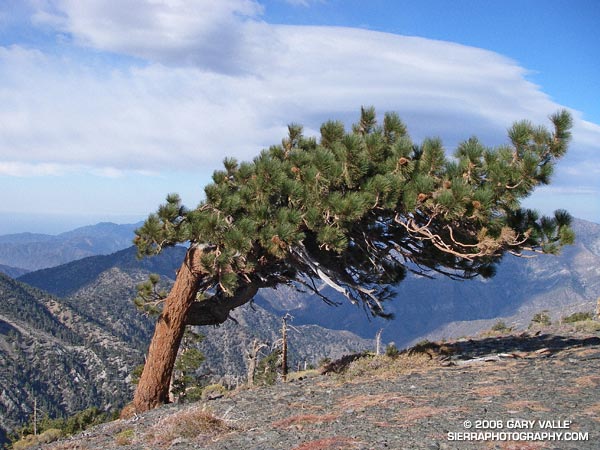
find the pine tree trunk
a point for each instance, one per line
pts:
(153, 387)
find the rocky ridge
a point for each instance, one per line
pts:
(426, 398)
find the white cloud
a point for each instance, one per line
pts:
(21, 169)
(33, 169)
(108, 172)
(569, 190)
(203, 33)
(215, 81)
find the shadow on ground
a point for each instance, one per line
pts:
(474, 348)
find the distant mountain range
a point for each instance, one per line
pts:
(74, 344)
(439, 308)
(13, 272)
(77, 320)
(561, 285)
(31, 251)
(103, 287)
(423, 307)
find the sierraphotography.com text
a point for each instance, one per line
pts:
(518, 429)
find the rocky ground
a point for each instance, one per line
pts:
(544, 384)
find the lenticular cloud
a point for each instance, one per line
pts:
(182, 84)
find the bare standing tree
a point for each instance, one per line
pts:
(252, 356)
(378, 342)
(284, 347)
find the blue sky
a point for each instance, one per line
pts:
(107, 106)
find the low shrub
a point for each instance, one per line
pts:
(501, 327)
(302, 374)
(587, 326)
(213, 391)
(541, 319)
(391, 351)
(578, 317)
(125, 437)
(383, 367)
(50, 435)
(193, 394)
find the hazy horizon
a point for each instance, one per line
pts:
(54, 224)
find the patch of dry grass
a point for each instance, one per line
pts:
(521, 405)
(300, 421)
(310, 373)
(569, 390)
(331, 443)
(384, 367)
(593, 412)
(580, 352)
(77, 445)
(587, 381)
(125, 437)
(496, 366)
(489, 391)
(191, 424)
(492, 386)
(370, 400)
(411, 415)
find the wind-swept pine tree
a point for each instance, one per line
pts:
(355, 209)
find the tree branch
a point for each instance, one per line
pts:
(215, 310)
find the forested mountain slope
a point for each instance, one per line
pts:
(87, 336)
(12, 272)
(56, 356)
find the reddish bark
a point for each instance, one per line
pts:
(153, 387)
(180, 309)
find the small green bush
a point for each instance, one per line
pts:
(193, 394)
(323, 362)
(136, 373)
(391, 351)
(267, 369)
(50, 435)
(541, 318)
(213, 391)
(125, 437)
(578, 317)
(501, 327)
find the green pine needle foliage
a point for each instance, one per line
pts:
(150, 295)
(363, 206)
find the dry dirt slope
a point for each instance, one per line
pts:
(421, 400)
